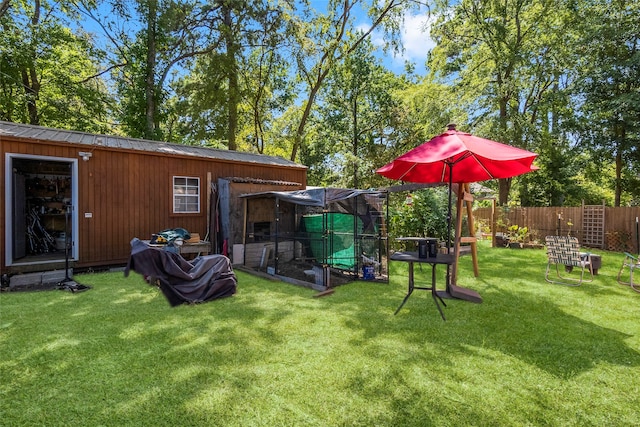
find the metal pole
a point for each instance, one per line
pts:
(637, 237)
(449, 210)
(67, 242)
(67, 283)
(448, 284)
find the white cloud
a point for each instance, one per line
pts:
(416, 39)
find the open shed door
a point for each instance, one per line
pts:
(19, 217)
(39, 192)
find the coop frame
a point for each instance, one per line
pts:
(276, 234)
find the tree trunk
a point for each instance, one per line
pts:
(150, 91)
(618, 191)
(4, 7)
(30, 80)
(620, 136)
(232, 77)
(32, 89)
(355, 141)
(504, 185)
(297, 141)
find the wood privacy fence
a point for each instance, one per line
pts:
(615, 229)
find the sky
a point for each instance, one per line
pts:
(416, 42)
(414, 35)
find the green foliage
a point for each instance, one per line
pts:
(350, 130)
(48, 74)
(504, 61)
(237, 90)
(517, 233)
(421, 213)
(610, 63)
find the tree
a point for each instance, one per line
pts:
(503, 59)
(610, 86)
(233, 93)
(356, 109)
(160, 42)
(323, 41)
(47, 71)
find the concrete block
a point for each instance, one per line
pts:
(25, 280)
(55, 276)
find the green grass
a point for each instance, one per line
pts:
(532, 353)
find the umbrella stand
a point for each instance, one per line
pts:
(453, 289)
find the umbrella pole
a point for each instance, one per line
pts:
(449, 214)
(449, 226)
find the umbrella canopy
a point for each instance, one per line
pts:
(459, 157)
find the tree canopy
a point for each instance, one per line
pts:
(309, 80)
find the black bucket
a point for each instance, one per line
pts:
(423, 250)
(432, 248)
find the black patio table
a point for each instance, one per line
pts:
(412, 258)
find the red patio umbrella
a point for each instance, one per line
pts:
(458, 157)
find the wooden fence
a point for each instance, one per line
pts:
(619, 225)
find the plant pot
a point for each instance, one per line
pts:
(501, 240)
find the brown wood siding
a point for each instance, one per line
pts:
(129, 194)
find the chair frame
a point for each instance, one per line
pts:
(565, 251)
(631, 262)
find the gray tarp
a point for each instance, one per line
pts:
(203, 279)
(341, 198)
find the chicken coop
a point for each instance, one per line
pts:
(321, 236)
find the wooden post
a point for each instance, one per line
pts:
(493, 223)
(208, 234)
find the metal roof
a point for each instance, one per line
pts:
(40, 133)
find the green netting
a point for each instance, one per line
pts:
(339, 238)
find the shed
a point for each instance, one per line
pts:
(97, 192)
(319, 235)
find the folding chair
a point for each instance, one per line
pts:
(565, 251)
(631, 262)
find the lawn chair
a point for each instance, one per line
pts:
(565, 251)
(631, 262)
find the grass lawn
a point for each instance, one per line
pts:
(532, 353)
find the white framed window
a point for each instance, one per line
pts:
(186, 194)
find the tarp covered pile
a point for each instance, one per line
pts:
(204, 279)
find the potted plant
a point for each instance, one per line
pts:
(502, 233)
(517, 236)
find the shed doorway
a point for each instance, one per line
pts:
(41, 222)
